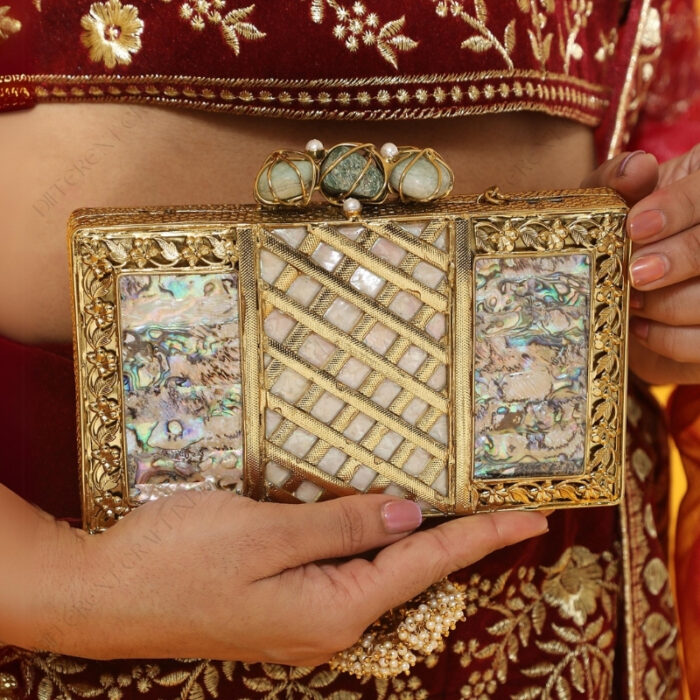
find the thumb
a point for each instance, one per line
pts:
(633, 174)
(406, 568)
(336, 528)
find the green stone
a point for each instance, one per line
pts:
(338, 180)
(288, 185)
(421, 179)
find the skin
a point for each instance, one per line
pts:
(211, 574)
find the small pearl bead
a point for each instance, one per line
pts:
(389, 151)
(314, 148)
(351, 207)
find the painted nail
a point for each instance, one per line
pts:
(640, 327)
(401, 516)
(623, 166)
(636, 299)
(648, 269)
(647, 224)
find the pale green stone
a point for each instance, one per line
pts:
(338, 181)
(421, 180)
(286, 182)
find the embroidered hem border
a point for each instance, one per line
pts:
(415, 97)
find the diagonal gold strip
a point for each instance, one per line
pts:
(419, 338)
(357, 348)
(304, 469)
(355, 399)
(324, 432)
(416, 245)
(380, 267)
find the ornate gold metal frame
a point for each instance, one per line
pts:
(105, 244)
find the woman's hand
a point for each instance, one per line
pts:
(219, 576)
(664, 225)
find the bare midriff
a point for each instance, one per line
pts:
(57, 158)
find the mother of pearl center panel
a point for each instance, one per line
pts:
(289, 330)
(531, 343)
(182, 382)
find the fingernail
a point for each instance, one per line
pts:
(647, 269)
(636, 299)
(640, 327)
(623, 166)
(401, 516)
(647, 224)
(547, 512)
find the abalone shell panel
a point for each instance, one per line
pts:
(530, 365)
(182, 382)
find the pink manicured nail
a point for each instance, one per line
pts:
(636, 299)
(640, 327)
(648, 269)
(626, 160)
(647, 224)
(401, 516)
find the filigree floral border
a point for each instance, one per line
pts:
(601, 233)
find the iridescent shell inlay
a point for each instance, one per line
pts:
(530, 365)
(182, 381)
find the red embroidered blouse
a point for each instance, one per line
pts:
(591, 62)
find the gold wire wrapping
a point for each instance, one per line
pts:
(291, 159)
(372, 158)
(414, 155)
(401, 637)
(325, 162)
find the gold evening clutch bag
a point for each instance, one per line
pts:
(467, 352)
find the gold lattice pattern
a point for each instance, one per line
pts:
(355, 342)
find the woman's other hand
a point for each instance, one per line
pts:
(220, 576)
(664, 225)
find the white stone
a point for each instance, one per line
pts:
(286, 181)
(327, 408)
(380, 338)
(308, 492)
(423, 179)
(358, 427)
(412, 359)
(366, 282)
(405, 305)
(385, 393)
(417, 462)
(316, 350)
(300, 442)
(353, 373)
(363, 478)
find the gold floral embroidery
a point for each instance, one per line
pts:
(357, 26)
(540, 42)
(8, 25)
(484, 39)
(112, 32)
(576, 14)
(582, 587)
(575, 583)
(234, 26)
(608, 44)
